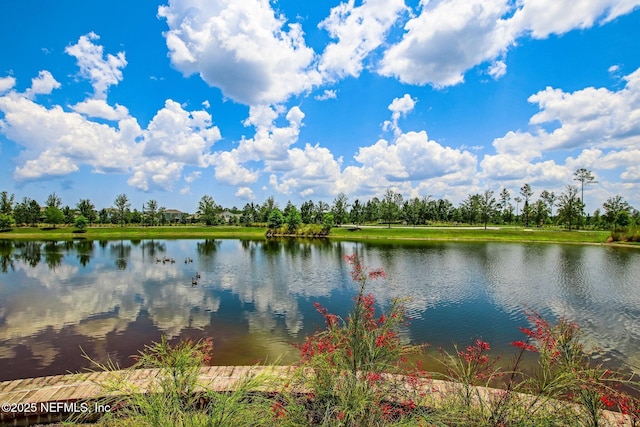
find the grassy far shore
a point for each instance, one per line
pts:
(397, 233)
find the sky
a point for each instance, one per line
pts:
(242, 100)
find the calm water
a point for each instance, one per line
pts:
(110, 298)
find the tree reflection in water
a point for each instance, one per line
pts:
(6, 253)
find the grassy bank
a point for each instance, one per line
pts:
(341, 233)
(115, 232)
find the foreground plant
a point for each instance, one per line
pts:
(177, 397)
(566, 372)
(351, 358)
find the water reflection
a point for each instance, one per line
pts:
(255, 297)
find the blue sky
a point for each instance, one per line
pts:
(304, 100)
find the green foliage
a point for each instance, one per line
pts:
(176, 400)
(346, 364)
(7, 222)
(208, 210)
(276, 219)
(53, 216)
(327, 223)
(81, 222)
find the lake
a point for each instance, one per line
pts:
(255, 298)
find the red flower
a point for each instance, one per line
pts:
(525, 346)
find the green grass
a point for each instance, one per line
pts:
(131, 232)
(471, 234)
(400, 234)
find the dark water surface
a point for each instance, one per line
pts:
(255, 298)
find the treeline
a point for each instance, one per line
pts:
(501, 208)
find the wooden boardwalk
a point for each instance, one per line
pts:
(53, 398)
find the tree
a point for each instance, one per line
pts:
(357, 212)
(69, 215)
(327, 223)
(518, 200)
(540, 212)
(614, 211)
(87, 210)
(306, 211)
(526, 193)
(293, 219)
(249, 214)
(276, 219)
(6, 222)
(413, 211)
(103, 216)
(208, 210)
(503, 204)
(390, 206)
(53, 216)
(266, 208)
(321, 209)
(372, 210)
(569, 206)
(149, 212)
(585, 177)
(122, 206)
(549, 199)
(6, 203)
(470, 208)
(54, 201)
(339, 208)
(81, 222)
(487, 207)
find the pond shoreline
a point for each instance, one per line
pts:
(368, 234)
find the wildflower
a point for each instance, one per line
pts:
(525, 346)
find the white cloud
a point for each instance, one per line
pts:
(269, 142)
(100, 109)
(414, 157)
(243, 48)
(598, 125)
(228, 169)
(540, 18)
(449, 37)
(359, 30)
(101, 72)
(180, 135)
(399, 107)
(6, 84)
(44, 84)
(155, 174)
(245, 193)
(446, 39)
(497, 69)
(193, 176)
(327, 94)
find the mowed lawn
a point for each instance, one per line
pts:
(381, 233)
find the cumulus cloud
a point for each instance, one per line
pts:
(56, 142)
(399, 107)
(449, 37)
(100, 71)
(414, 157)
(99, 108)
(245, 193)
(180, 135)
(597, 124)
(446, 39)
(243, 48)
(359, 30)
(44, 84)
(7, 83)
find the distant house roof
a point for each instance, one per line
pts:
(173, 212)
